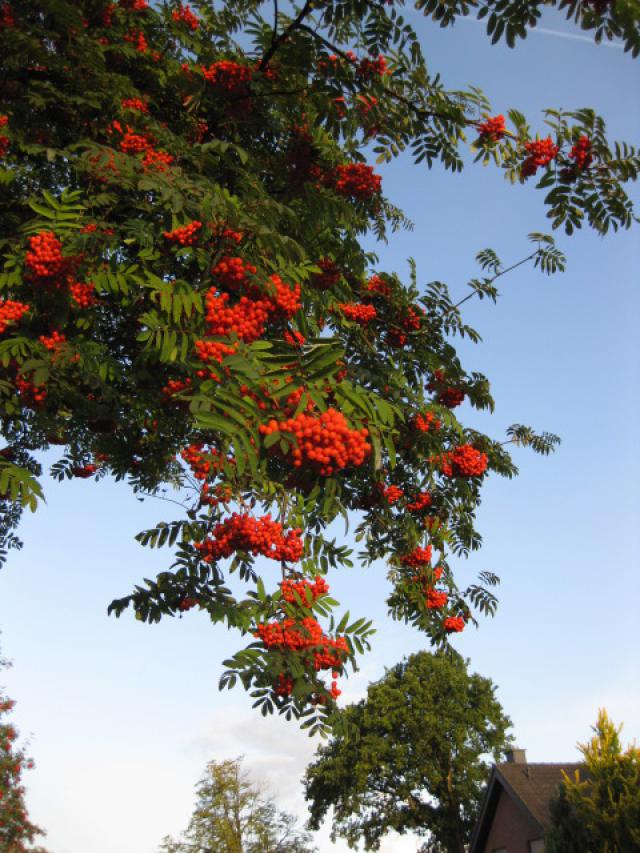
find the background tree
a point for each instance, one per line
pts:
(232, 815)
(17, 832)
(411, 758)
(598, 811)
(187, 302)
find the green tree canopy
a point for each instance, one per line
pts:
(598, 811)
(232, 815)
(412, 756)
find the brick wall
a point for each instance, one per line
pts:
(511, 829)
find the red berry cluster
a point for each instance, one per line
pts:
(138, 39)
(175, 386)
(84, 471)
(132, 142)
(134, 5)
(541, 152)
(303, 589)
(286, 300)
(294, 339)
(425, 422)
(492, 129)
(4, 140)
(436, 599)
(418, 558)
(329, 276)
(32, 394)
(188, 603)
(184, 14)
(253, 535)
(11, 312)
(325, 442)
(45, 255)
(135, 104)
(157, 161)
(466, 461)
(392, 494)
(358, 312)
(446, 394)
(421, 501)
(581, 153)
(220, 495)
(209, 351)
(247, 318)
(355, 180)
(454, 624)
(378, 286)
(203, 463)
(233, 273)
(6, 16)
(229, 76)
(186, 235)
(368, 67)
(83, 294)
(54, 341)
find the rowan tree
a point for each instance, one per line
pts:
(187, 303)
(17, 832)
(232, 815)
(411, 758)
(599, 809)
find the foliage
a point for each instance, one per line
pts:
(17, 832)
(185, 300)
(409, 757)
(232, 815)
(599, 809)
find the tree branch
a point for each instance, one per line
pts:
(276, 41)
(497, 275)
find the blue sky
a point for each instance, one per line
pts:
(123, 717)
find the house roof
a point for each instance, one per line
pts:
(530, 786)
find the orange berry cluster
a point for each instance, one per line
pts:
(186, 16)
(418, 558)
(283, 685)
(138, 40)
(378, 286)
(446, 394)
(84, 471)
(11, 312)
(421, 501)
(254, 535)
(355, 180)
(135, 104)
(492, 129)
(185, 235)
(157, 160)
(412, 320)
(134, 143)
(203, 464)
(425, 422)
(54, 341)
(286, 299)
(392, 494)
(581, 153)
(466, 461)
(175, 386)
(358, 312)
(45, 255)
(220, 495)
(304, 589)
(233, 272)
(371, 67)
(208, 351)
(247, 318)
(325, 442)
(4, 140)
(134, 5)
(454, 624)
(436, 599)
(291, 635)
(294, 339)
(83, 294)
(228, 76)
(541, 152)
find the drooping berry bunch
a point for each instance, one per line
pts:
(4, 140)
(426, 422)
(371, 67)
(541, 152)
(54, 341)
(44, 257)
(135, 104)
(11, 312)
(204, 464)
(418, 558)
(582, 154)
(186, 235)
(358, 312)
(303, 589)
(233, 272)
(466, 461)
(446, 394)
(228, 76)
(420, 502)
(257, 536)
(493, 129)
(83, 293)
(184, 14)
(324, 442)
(355, 180)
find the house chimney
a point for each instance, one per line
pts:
(516, 756)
